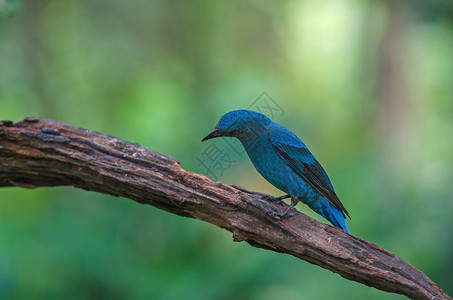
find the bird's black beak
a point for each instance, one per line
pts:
(213, 134)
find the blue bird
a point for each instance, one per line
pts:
(283, 160)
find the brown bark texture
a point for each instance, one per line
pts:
(41, 152)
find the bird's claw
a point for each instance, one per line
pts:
(277, 214)
(269, 198)
(274, 199)
(274, 214)
(288, 214)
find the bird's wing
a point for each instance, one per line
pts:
(304, 164)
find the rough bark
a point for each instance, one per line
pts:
(40, 152)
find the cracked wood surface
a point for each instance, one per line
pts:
(41, 152)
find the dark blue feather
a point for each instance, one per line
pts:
(304, 164)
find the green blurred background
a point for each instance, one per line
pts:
(367, 84)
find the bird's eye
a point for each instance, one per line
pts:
(234, 132)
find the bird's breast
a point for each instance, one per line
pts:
(269, 164)
(274, 169)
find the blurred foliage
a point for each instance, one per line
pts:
(9, 7)
(367, 84)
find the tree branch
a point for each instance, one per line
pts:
(40, 152)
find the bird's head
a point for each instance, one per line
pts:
(239, 123)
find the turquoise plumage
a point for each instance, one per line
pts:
(285, 161)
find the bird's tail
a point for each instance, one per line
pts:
(323, 207)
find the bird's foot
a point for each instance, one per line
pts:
(274, 199)
(286, 212)
(268, 210)
(278, 214)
